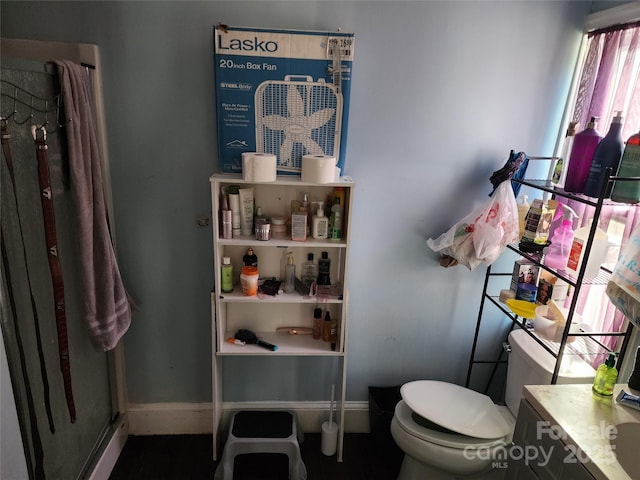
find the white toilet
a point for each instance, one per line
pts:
(447, 431)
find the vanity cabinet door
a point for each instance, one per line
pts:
(538, 453)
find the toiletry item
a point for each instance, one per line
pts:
(320, 224)
(226, 275)
(278, 227)
(597, 252)
(634, 379)
(263, 231)
(246, 210)
(333, 336)
(557, 253)
(234, 206)
(326, 327)
(324, 268)
(340, 193)
(235, 341)
(538, 221)
(309, 273)
(524, 280)
(628, 191)
(560, 291)
(305, 207)
(607, 155)
(559, 172)
(523, 209)
(290, 274)
(299, 226)
(584, 145)
(317, 324)
(250, 337)
(606, 376)
(628, 400)
(249, 280)
(250, 259)
(227, 224)
(336, 219)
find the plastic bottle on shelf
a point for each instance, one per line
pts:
(557, 253)
(336, 219)
(320, 224)
(596, 254)
(317, 324)
(606, 376)
(326, 327)
(324, 268)
(226, 275)
(628, 191)
(523, 209)
(584, 145)
(290, 275)
(607, 155)
(559, 172)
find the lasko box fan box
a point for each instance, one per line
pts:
(284, 92)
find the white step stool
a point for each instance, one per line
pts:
(263, 432)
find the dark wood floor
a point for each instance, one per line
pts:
(188, 457)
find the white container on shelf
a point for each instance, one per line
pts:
(597, 252)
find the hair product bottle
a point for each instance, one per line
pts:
(317, 324)
(606, 376)
(559, 171)
(324, 268)
(584, 145)
(326, 327)
(250, 259)
(607, 155)
(336, 219)
(628, 191)
(226, 275)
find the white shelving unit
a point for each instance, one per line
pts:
(264, 314)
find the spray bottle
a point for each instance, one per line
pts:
(557, 253)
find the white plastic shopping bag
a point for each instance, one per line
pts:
(481, 236)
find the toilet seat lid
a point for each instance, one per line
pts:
(455, 408)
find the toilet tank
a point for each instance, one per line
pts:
(530, 364)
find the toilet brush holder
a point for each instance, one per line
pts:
(634, 379)
(329, 435)
(329, 438)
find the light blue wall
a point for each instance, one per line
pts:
(441, 92)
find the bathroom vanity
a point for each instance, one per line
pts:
(568, 432)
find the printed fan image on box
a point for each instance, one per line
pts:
(296, 118)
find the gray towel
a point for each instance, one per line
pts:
(106, 304)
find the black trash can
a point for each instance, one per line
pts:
(382, 404)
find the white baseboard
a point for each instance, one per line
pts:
(104, 465)
(197, 418)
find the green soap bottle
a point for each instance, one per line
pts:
(606, 377)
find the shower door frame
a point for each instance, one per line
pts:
(82, 53)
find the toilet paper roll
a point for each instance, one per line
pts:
(318, 168)
(259, 167)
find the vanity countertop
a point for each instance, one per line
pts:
(588, 420)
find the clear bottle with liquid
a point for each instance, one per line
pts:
(309, 272)
(628, 191)
(584, 146)
(290, 275)
(607, 155)
(559, 172)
